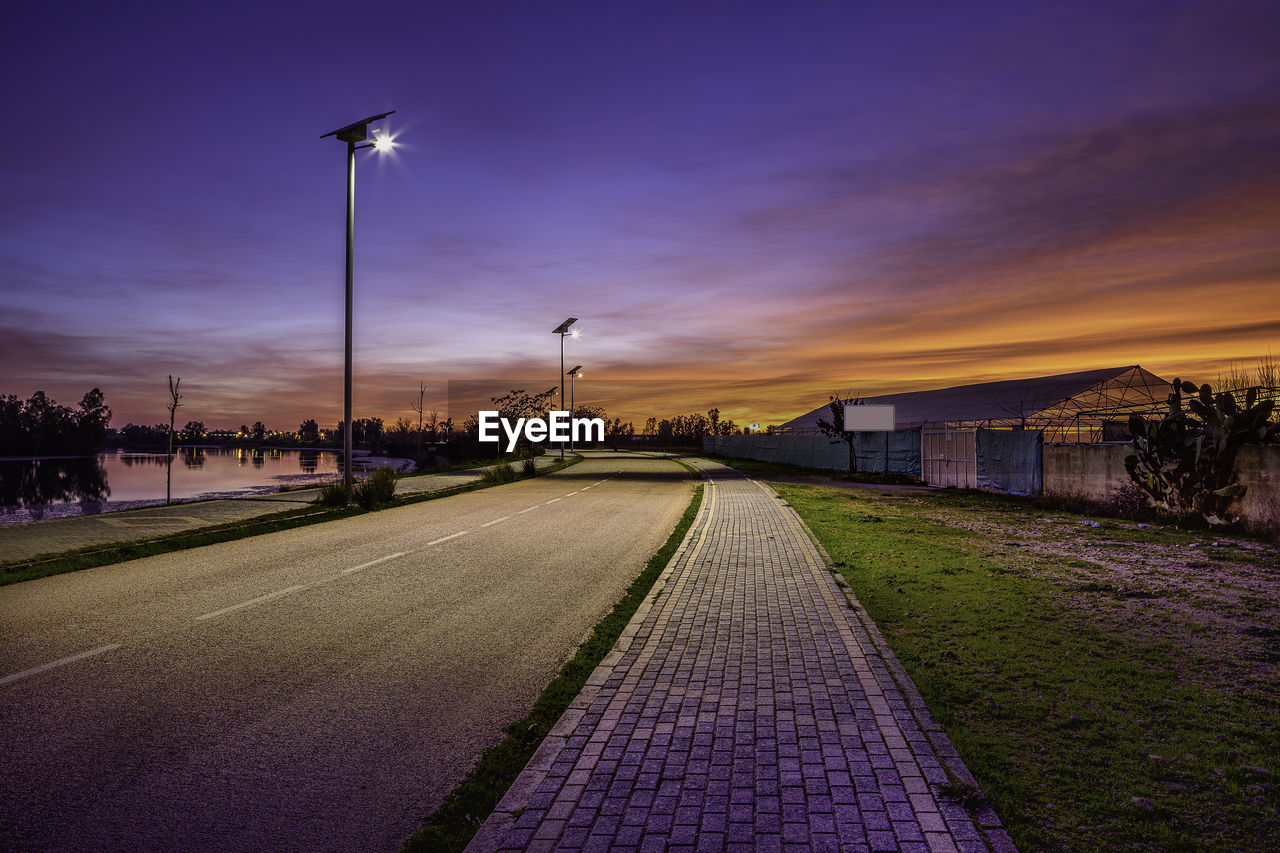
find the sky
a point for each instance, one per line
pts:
(747, 204)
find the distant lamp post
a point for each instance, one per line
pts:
(573, 374)
(562, 330)
(354, 133)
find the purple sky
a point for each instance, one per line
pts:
(783, 198)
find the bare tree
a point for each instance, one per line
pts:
(1264, 376)
(172, 406)
(417, 406)
(834, 428)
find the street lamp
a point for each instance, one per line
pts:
(351, 134)
(573, 374)
(562, 330)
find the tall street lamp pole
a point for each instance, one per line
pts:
(351, 134)
(573, 374)
(562, 330)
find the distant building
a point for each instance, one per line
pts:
(1089, 406)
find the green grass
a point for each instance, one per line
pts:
(1075, 667)
(43, 565)
(451, 826)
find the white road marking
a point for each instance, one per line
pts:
(530, 509)
(447, 538)
(553, 500)
(59, 662)
(363, 566)
(251, 602)
(495, 521)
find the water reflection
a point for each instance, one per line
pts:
(46, 481)
(131, 459)
(131, 478)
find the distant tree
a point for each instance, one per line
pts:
(650, 427)
(834, 428)
(92, 421)
(39, 425)
(517, 403)
(368, 430)
(136, 435)
(309, 430)
(194, 430)
(259, 431)
(12, 436)
(617, 429)
(45, 424)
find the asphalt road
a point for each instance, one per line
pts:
(315, 689)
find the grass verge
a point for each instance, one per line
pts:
(1113, 686)
(101, 555)
(452, 825)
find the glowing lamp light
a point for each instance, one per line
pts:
(384, 143)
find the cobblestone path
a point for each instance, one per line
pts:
(750, 705)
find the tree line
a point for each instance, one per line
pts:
(40, 426)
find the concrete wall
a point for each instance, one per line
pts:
(1088, 470)
(1097, 470)
(1259, 470)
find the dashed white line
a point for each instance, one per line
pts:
(447, 538)
(251, 602)
(35, 670)
(495, 521)
(553, 500)
(363, 566)
(530, 509)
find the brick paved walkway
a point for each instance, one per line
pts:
(749, 706)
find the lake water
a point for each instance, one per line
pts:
(52, 488)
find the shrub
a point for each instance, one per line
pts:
(378, 489)
(503, 473)
(1130, 501)
(529, 467)
(334, 494)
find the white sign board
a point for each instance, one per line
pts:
(868, 418)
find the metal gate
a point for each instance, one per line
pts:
(949, 458)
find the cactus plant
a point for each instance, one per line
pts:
(1186, 460)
